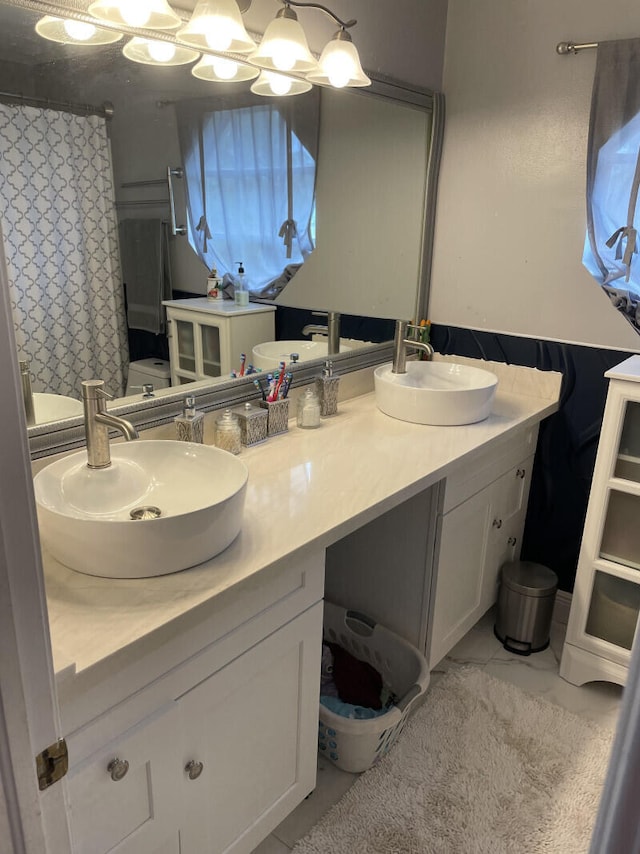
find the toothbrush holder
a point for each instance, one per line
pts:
(278, 419)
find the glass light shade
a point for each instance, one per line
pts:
(223, 70)
(339, 64)
(145, 14)
(284, 47)
(156, 52)
(275, 85)
(217, 25)
(69, 31)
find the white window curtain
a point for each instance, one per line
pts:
(250, 169)
(613, 176)
(61, 243)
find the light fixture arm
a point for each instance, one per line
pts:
(344, 24)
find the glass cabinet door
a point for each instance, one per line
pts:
(613, 611)
(186, 345)
(627, 464)
(211, 366)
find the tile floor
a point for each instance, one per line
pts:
(537, 674)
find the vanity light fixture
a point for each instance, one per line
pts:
(217, 25)
(284, 45)
(222, 70)
(144, 14)
(339, 64)
(69, 31)
(156, 52)
(273, 84)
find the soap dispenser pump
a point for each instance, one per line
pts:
(190, 425)
(241, 292)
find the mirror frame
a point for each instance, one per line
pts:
(58, 436)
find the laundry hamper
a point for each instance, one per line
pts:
(352, 744)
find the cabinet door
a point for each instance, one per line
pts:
(605, 607)
(475, 539)
(128, 809)
(462, 551)
(509, 496)
(253, 728)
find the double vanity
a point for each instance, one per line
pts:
(190, 700)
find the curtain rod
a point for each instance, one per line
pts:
(565, 48)
(106, 111)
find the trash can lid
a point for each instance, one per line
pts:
(532, 579)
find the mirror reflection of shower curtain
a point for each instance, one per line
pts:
(61, 242)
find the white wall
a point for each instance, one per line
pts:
(370, 208)
(511, 216)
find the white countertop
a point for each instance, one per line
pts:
(305, 487)
(222, 308)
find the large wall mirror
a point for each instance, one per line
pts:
(375, 192)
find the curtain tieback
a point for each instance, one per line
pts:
(288, 230)
(204, 228)
(629, 233)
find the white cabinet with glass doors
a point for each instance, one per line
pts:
(207, 337)
(606, 598)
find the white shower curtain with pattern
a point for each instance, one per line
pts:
(59, 222)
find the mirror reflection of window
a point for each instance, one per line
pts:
(251, 177)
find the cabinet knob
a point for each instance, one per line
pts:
(193, 769)
(497, 523)
(118, 768)
(512, 541)
(521, 473)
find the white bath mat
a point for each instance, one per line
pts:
(482, 768)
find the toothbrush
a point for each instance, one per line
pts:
(280, 380)
(243, 359)
(258, 385)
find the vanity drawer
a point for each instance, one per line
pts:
(487, 465)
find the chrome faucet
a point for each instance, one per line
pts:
(331, 330)
(400, 344)
(27, 392)
(97, 422)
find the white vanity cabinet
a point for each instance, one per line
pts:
(206, 337)
(252, 728)
(606, 598)
(480, 528)
(222, 746)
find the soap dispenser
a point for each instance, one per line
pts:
(190, 425)
(327, 389)
(241, 291)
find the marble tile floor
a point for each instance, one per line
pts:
(536, 674)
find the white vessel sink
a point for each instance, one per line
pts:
(87, 516)
(53, 407)
(439, 393)
(267, 356)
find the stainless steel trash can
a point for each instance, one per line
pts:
(525, 606)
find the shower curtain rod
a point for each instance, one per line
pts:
(106, 111)
(565, 48)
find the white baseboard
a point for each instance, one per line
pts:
(561, 607)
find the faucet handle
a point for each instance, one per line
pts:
(94, 390)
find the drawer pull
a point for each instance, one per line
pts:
(512, 541)
(118, 769)
(497, 523)
(521, 473)
(193, 769)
